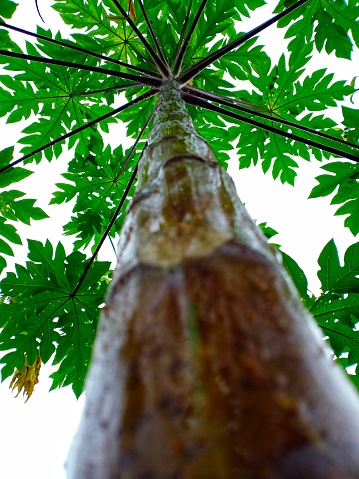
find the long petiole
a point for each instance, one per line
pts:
(191, 100)
(133, 147)
(81, 128)
(81, 50)
(242, 106)
(159, 63)
(192, 71)
(182, 51)
(159, 49)
(127, 76)
(104, 90)
(183, 31)
(108, 229)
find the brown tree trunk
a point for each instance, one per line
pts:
(206, 364)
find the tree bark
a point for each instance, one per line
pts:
(206, 364)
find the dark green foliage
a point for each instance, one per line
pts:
(7, 9)
(98, 189)
(336, 308)
(13, 206)
(53, 301)
(330, 21)
(41, 309)
(342, 179)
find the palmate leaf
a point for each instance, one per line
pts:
(240, 62)
(336, 310)
(59, 104)
(12, 207)
(175, 12)
(213, 81)
(277, 151)
(98, 188)
(334, 277)
(330, 20)
(343, 309)
(342, 177)
(90, 15)
(343, 339)
(315, 93)
(336, 313)
(217, 17)
(136, 116)
(43, 311)
(57, 314)
(102, 27)
(286, 96)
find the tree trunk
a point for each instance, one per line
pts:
(206, 364)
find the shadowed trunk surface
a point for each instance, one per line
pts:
(206, 364)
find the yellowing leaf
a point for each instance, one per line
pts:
(26, 378)
(132, 9)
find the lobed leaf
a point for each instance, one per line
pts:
(42, 310)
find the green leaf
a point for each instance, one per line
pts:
(243, 60)
(334, 277)
(343, 179)
(95, 20)
(299, 278)
(7, 8)
(268, 231)
(332, 35)
(351, 122)
(60, 103)
(16, 209)
(344, 309)
(12, 175)
(330, 21)
(39, 304)
(286, 94)
(5, 248)
(44, 311)
(343, 339)
(98, 188)
(5, 41)
(9, 233)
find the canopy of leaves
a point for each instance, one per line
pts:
(70, 89)
(336, 309)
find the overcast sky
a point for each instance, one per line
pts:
(35, 437)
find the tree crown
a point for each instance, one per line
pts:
(71, 88)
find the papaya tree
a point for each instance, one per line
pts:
(208, 362)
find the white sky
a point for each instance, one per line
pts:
(35, 437)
